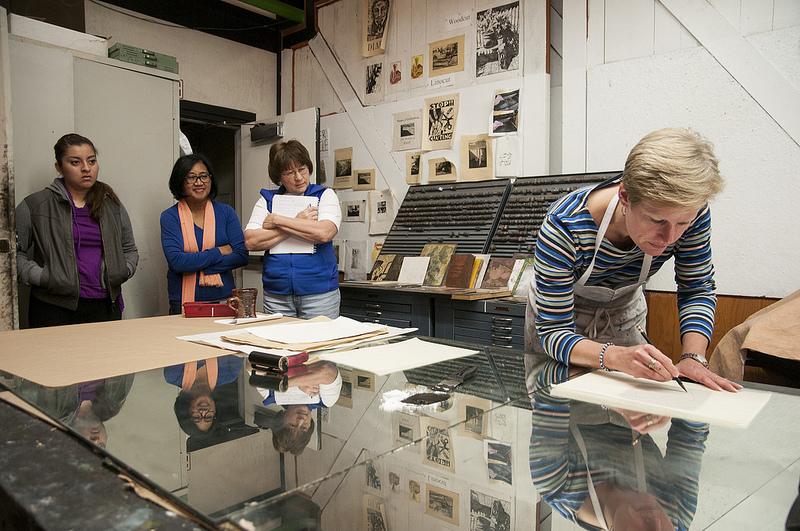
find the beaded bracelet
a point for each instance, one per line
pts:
(603, 355)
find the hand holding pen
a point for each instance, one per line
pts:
(653, 364)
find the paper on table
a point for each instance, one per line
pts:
(310, 332)
(414, 269)
(386, 359)
(249, 320)
(700, 404)
(290, 206)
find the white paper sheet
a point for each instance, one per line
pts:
(700, 404)
(290, 206)
(249, 320)
(214, 339)
(312, 332)
(386, 359)
(413, 270)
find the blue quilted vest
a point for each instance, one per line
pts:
(300, 274)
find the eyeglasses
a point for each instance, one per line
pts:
(193, 178)
(208, 416)
(288, 174)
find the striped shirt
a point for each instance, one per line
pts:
(564, 249)
(559, 470)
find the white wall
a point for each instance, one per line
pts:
(412, 25)
(215, 71)
(646, 71)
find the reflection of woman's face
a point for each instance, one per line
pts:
(297, 418)
(640, 511)
(203, 411)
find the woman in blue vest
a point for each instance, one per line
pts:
(299, 285)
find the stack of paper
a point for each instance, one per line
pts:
(290, 206)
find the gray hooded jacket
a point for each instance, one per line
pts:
(46, 251)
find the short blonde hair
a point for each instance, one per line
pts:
(672, 167)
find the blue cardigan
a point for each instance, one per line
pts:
(229, 232)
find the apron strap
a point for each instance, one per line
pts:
(598, 512)
(601, 232)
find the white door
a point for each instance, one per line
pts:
(300, 125)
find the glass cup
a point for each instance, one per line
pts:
(243, 302)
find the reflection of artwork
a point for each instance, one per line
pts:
(442, 504)
(365, 380)
(346, 394)
(394, 480)
(364, 179)
(446, 55)
(396, 75)
(381, 267)
(405, 427)
(416, 66)
(498, 461)
(374, 514)
(441, 115)
(488, 513)
(440, 254)
(474, 412)
(376, 18)
(413, 490)
(412, 167)
(497, 273)
(343, 168)
(477, 159)
(438, 445)
(505, 112)
(497, 44)
(373, 479)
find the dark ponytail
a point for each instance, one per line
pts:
(99, 191)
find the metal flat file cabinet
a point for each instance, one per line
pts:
(499, 322)
(389, 307)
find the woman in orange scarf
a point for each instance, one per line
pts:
(202, 239)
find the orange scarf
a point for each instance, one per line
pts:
(190, 246)
(190, 374)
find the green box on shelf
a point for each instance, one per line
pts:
(143, 57)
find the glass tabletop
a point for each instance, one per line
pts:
(333, 448)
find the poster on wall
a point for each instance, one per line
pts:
(373, 83)
(489, 512)
(355, 267)
(364, 179)
(477, 159)
(396, 73)
(441, 115)
(381, 212)
(353, 210)
(407, 132)
(412, 167)
(376, 21)
(441, 170)
(343, 168)
(497, 40)
(442, 504)
(417, 68)
(505, 113)
(446, 55)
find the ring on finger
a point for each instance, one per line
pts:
(653, 364)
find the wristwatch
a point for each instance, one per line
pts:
(699, 358)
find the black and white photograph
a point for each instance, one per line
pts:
(505, 122)
(374, 513)
(477, 158)
(497, 46)
(382, 211)
(441, 170)
(365, 380)
(381, 207)
(394, 481)
(438, 444)
(498, 461)
(405, 428)
(364, 179)
(446, 56)
(488, 513)
(506, 101)
(505, 112)
(373, 83)
(474, 412)
(412, 167)
(413, 490)
(373, 477)
(357, 262)
(376, 18)
(442, 504)
(407, 132)
(353, 211)
(346, 394)
(441, 115)
(343, 168)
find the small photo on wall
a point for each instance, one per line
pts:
(477, 159)
(343, 168)
(446, 56)
(364, 179)
(412, 167)
(441, 170)
(417, 66)
(353, 210)
(373, 83)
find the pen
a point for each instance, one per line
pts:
(644, 335)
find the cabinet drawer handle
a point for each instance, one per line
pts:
(373, 306)
(373, 314)
(508, 320)
(501, 338)
(501, 329)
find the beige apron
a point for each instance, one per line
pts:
(601, 314)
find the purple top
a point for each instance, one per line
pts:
(88, 253)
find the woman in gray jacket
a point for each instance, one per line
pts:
(75, 242)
